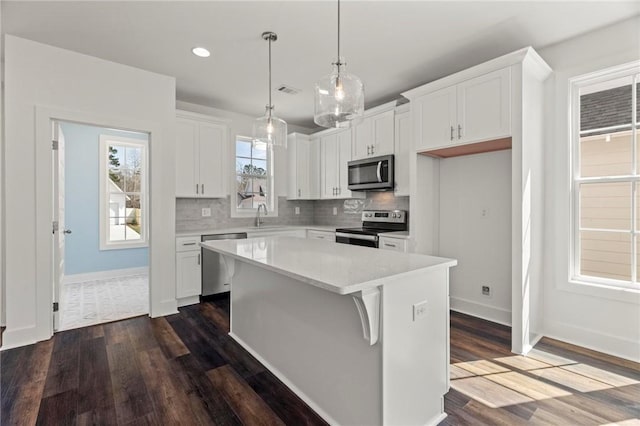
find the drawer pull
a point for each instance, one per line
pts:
(390, 245)
(188, 244)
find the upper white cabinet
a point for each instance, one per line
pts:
(304, 167)
(402, 149)
(475, 110)
(373, 136)
(335, 153)
(200, 156)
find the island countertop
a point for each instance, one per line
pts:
(339, 268)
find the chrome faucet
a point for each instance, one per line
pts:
(258, 218)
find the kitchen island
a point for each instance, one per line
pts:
(381, 360)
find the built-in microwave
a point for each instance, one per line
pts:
(371, 174)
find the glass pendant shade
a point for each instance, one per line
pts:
(339, 98)
(270, 129)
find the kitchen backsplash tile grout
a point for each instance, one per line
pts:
(318, 212)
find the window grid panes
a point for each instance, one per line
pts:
(125, 193)
(607, 180)
(253, 174)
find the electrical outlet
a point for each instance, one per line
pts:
(486, 290)
(335, 211)
(297, 210)
(420, 310)
(206, 212)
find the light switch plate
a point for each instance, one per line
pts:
(297, 210)
(206, 212)
(420, 310)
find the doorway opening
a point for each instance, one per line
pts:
(101, 224)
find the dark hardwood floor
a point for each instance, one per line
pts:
(184, 369)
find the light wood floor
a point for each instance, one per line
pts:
(184, 369)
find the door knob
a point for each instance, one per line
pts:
(67, 231)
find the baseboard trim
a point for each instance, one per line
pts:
(164, 308)
(286, 381)
(480, 310)
(436, 420)
(15, 338)
(103, 275)
(186, 301)
(587, 338)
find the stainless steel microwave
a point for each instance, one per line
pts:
(371, 174)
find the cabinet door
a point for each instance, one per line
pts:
(402, 142)
(484, 107)
(188, 278)
(362, 139)
(186, 155)
(302, 175)
(212, 138)
(328, 166)
(292, 166)
(344, 156)
(435, 119)
(313, 184)
(382, 126)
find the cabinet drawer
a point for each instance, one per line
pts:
(321, 235)
(188, 244)
(396, 244)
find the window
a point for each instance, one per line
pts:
(606, 177)
(253, 177)
(123, 197)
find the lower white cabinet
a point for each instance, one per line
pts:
(390, 243)
(188, 267)
(313, 234)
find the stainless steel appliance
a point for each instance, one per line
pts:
(215, 278)
(371, 174)
(374, 222)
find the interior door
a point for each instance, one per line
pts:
(58, 216)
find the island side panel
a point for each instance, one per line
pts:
(415, 352)
(311, 338)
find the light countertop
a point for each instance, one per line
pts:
(340, 268)
(253, 229)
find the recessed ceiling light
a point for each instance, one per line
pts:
(201, 51)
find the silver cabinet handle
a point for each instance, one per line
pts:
(451, 132)
(372, 149)
(188, 244)
(198, 258)
(368, 149)
(459, 131)
(66, 231)
(299, 192)
(197, 189)
(390, 245)
(202, 189)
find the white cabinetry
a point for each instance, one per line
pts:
(475, 110)
(395, 244)
(335, 153)
(373, 136)
(188, 267)
(402, 148)
(303, 164)
(200, 156)
(314, 234)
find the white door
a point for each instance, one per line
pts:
(58, 216)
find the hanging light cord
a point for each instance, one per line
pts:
(338, 34)
(270, 106)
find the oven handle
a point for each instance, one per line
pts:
(357, 236)
(379, 171)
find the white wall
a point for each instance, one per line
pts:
(469, 186)
(603, 319)
(43, 81)
(242, 125)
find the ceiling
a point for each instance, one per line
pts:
(391, 45)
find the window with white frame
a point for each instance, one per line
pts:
(123, 192)
(606, 177)
(253, 176)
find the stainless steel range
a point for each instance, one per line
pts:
(374, 222)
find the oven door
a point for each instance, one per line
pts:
(357, 239)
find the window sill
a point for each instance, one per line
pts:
(603, 291)
(123, 246)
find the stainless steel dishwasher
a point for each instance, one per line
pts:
(215, 278)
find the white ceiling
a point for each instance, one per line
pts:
(391, 45)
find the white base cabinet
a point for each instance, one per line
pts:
(314, 234)
(188, 267)
(395, 244)
(200, 156)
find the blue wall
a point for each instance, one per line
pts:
(82, 205)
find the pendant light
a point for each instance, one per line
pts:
(339, 96)
(269, 128)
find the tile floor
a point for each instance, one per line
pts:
(94, 302)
